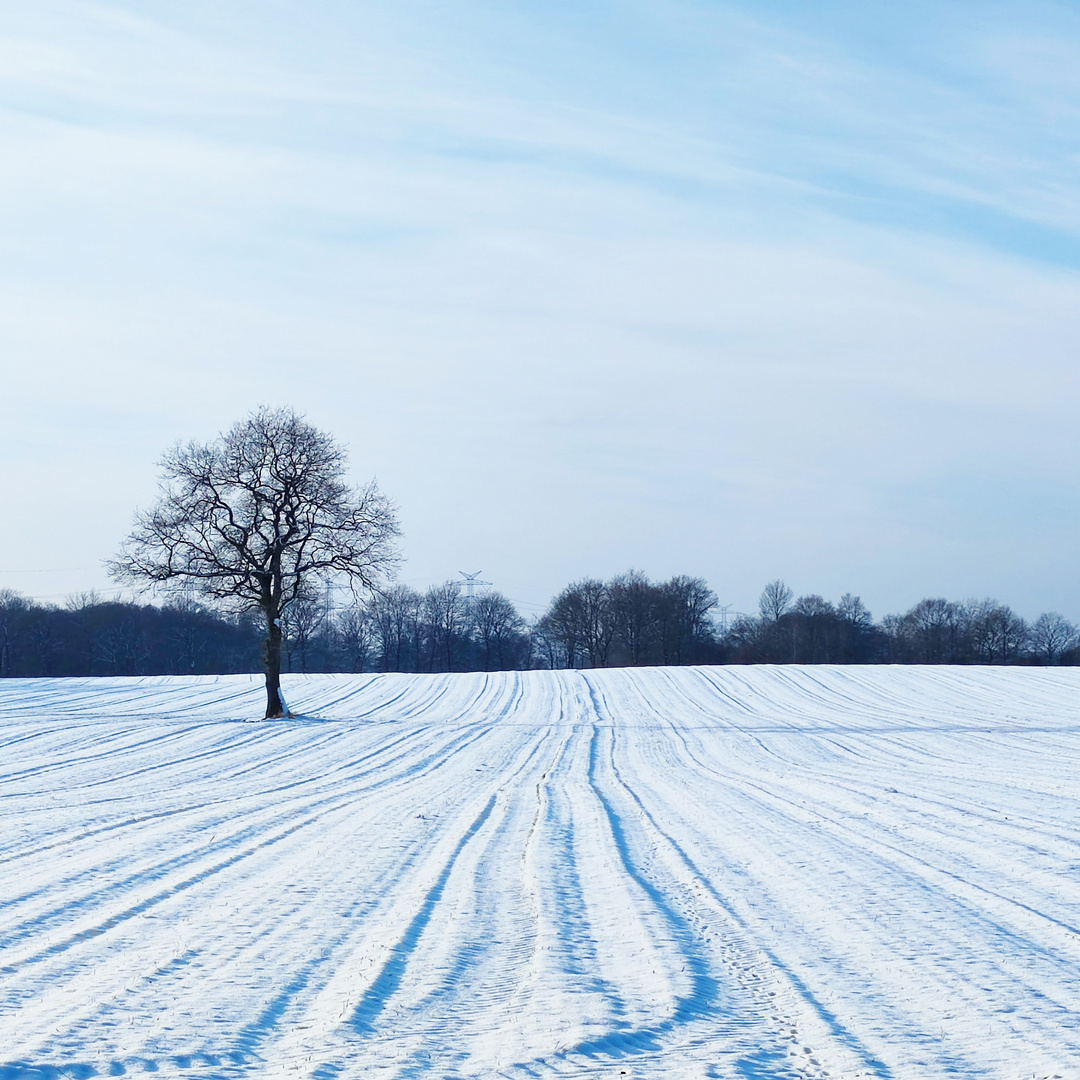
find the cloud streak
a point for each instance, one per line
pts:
(728, 289)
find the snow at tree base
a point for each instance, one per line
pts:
(749, 873)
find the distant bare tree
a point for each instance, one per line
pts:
(814, 630)
(564, 624)
(187, 637)
(1051, 635)
(685, 628)
(1015, 635)
(252, 519)
(121, 645)
(445, 623)
(997, 634)
(596, 619)
(14, 617)
(934, 631)
(636, 610)
(86, 619)
(547, 643)
(854, 612)
(353, 633)
(856, 628)
(498, 628)
(301, 622)
(397, 620)
(775, 601)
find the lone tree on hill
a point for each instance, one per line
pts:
(255, 519)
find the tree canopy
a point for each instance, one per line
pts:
(254, 519)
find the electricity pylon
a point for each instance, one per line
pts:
(471, 581)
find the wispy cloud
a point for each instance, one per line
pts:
(742, 272)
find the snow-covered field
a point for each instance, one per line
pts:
(737, 872)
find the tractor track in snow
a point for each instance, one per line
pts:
(747, 873)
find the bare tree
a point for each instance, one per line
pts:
(685, 603)
(997, 634)
(1051, 635)
(934, 631)
(635, 606)
(854, 612)
(582, 618)
(187, 637)
(121, 646)
(564, 624)
(254, 518)
(498, 628)
(775, 601)
(814, 630)
(547, 642)
(398, 627)
(354, 634)
(301, 622)
(628, 620)
(14, 610)
(445, 619)
(83, 606)
(856, 626)
(597, 619)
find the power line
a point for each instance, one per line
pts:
(528, 604)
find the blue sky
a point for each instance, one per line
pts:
(737, 290)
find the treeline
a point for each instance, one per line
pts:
(402, 629)
(90, 636)
(625, 621)
(399, 630)
(810, 630)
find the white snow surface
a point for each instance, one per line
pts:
(749, 873)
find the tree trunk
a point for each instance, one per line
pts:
(272, 666)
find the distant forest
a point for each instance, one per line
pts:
(626, 621)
